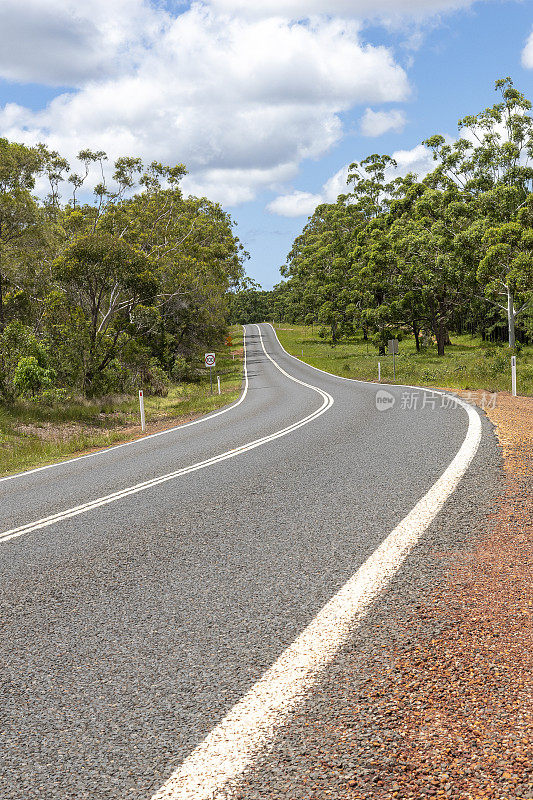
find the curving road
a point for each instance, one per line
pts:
(141, 600)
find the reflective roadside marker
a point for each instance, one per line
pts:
(218, 379)
(379, 371)
(513, 374)
(141, 404)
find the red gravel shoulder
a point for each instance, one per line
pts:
(463, 704)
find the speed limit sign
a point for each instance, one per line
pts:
(210, 359)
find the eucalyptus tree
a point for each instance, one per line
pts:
(104, 279)
(506, 271)
(19, 211)
(492, 162)
(431, 279)
(194, 253)
(319, 267)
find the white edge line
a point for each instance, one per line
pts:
(105, 450)
(45, 522)
(230, 748)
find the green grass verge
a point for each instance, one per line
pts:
(33, 434)
(468, 363)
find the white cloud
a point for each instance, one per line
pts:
(299, 9)
(418, 160)
(302, 204)
(527, 53)
(296, 204)
(241, 102)
(66, 43)
(376, 123)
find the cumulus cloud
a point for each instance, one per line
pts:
(302, 204)
(298, 9)
(418, 160)
(376, 123)
(295, 204)
(241, 102)
(66, 43)
(527, 53)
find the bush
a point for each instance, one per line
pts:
(30, 377)
(54, 396)
(17, 343)
(180, 370)
(156, 380)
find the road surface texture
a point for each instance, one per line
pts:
(130, 628)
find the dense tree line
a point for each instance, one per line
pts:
(453, 251)
(110, 294)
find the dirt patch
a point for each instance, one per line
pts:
(62, 432)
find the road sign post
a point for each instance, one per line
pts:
(141, 405)
(210, 361)
(513, 374)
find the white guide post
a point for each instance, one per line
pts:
(513, 374)
(141, 405)
(218, 379)
(379, 371)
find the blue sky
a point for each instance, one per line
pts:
(265, 103)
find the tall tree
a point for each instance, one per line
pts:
(19, 212)
(492, 162)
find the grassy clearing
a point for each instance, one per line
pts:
(468, 364)
(33, 434)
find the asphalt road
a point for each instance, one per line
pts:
(129, 630)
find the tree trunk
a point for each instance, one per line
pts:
(447, 340)
(416, 331)
(511, 317)
(439, 329)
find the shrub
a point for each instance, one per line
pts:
(30, 377)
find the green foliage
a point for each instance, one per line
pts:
(108, 295)
(30, 377)
(395, 254)
(18, 343)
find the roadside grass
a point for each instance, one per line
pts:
(468, 364)
(33, 433)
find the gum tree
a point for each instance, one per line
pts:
(19, 213)
(492, 162)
